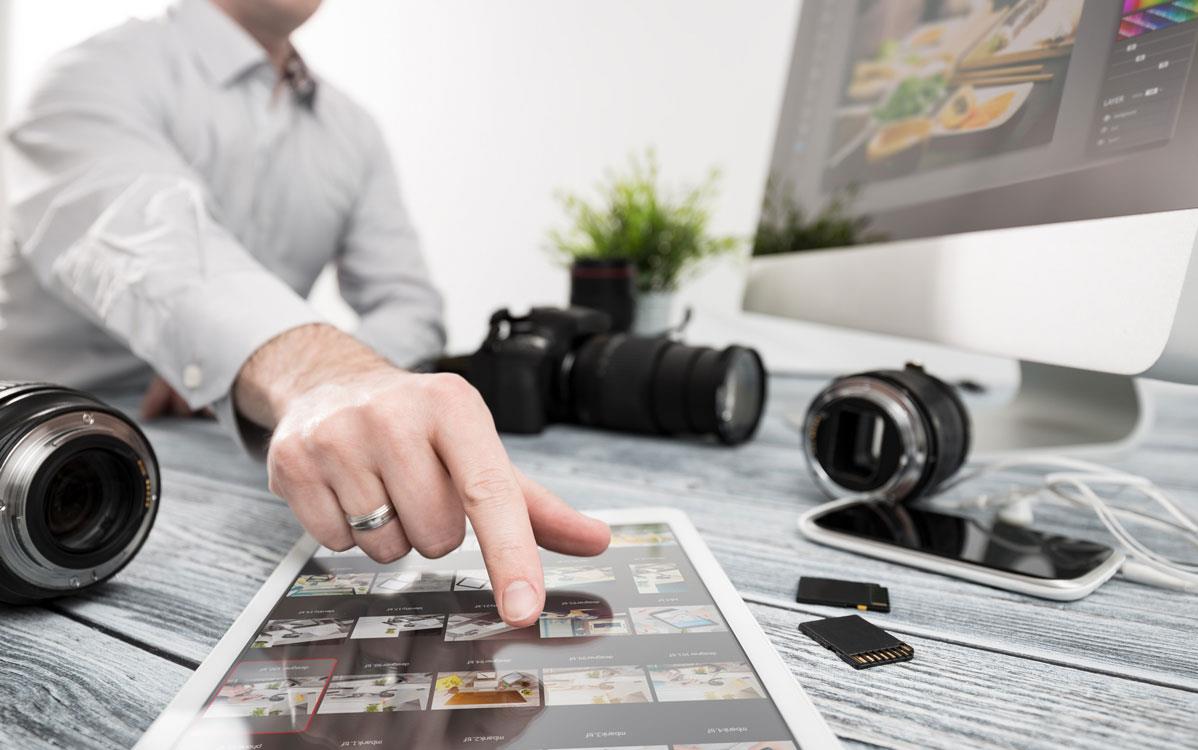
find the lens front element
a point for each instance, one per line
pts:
(79, 485)
(88, 500)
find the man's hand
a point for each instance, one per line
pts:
(162, 400)
(352, 433)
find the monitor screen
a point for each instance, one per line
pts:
(918, 118)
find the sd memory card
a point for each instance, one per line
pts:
(862, 596)
(857, 641)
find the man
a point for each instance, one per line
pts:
(177, 185)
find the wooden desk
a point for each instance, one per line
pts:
(1118, 669)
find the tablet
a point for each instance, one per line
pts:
(645, 647)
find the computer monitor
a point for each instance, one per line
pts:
(1017, 177)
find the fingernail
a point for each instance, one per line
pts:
(520, 601)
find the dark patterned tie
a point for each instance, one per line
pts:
(299, 80)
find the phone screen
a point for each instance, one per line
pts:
(999, 546)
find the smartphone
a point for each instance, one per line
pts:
(997, 554)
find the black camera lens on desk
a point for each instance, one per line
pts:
(79, 488)
(563, 365)
(894, 435)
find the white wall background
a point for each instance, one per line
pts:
(490, 107)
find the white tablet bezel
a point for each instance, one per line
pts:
(796, 709)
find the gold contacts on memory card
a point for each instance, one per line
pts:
(857, 641)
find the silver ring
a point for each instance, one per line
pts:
(380, 516)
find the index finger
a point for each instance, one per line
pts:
(492, 498)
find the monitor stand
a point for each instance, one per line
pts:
(1061, 409)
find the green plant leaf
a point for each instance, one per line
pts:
(664, 236)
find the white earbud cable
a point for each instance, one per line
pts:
(1073, 483)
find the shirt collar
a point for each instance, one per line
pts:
(224, 48)
(228, 51)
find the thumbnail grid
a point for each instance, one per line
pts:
(264, 689)
(557, 621)
(391, 691)
(649, 578)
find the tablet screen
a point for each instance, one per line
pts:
(631, 652)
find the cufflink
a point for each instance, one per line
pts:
(193, 376)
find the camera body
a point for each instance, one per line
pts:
(565, 365)
(523, 367)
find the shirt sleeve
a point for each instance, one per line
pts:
(381, 272)
(115, 222)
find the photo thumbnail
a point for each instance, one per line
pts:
(284, 698)
(583, 622)
(377, 693)
(471, 580)
(272, 696)
(595, 686)
(293, 632)
(641, 535)
(703, 618)
(568, 576)
(412, 582)
(657, 578)
(392, 626)
(721, 681)
(479, 627)
(506, 689)
(331, 584)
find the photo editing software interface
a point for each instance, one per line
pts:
(631, 652)
(935, 117)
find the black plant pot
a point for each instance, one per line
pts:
(607, 285)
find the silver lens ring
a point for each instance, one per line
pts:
(903, 412)
(16, 478)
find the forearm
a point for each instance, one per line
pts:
(295, 362)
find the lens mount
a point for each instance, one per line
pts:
(902, 413)
(44, 542)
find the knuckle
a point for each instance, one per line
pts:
(488, 487)
(385, 551)
(450, 388)
(285, 461)
(442, 546)
(337, 543)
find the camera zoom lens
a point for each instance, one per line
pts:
(87, 498)
(656, 385)
(739, 397)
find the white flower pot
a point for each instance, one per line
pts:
(654, 313)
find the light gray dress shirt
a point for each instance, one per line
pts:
(171, 209)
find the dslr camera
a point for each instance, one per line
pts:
(566, 365)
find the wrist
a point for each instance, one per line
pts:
(294, 363)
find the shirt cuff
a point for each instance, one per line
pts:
(223, 331)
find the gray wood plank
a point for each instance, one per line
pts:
(952, 696)
(66, 685)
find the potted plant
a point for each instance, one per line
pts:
(664, 236)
